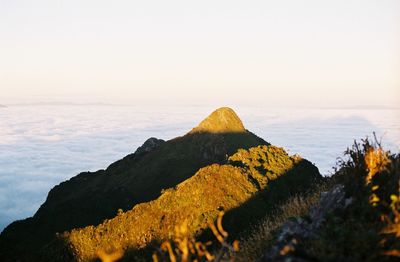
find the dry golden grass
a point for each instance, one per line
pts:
(260, 237)
(198, 200)
(184, 248)
(376, 160)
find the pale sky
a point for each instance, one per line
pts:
(313, 53)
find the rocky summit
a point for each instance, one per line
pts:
(222, 120)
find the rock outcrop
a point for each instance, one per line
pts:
(149, 145)
(292, 232)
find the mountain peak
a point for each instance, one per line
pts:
(222, 120)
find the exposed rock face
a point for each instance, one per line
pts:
(330, 201)
(222, 120)
(294, 231)
(150, 144)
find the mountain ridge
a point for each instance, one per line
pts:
(91, 197)
(198, 200)
(277, 206)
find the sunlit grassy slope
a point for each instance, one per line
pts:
(198, 200)
(262, 189)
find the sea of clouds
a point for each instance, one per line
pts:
(43, 145)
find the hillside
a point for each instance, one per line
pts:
(91, 197)
(240, 188)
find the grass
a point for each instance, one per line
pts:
(237, 189)
(196, 199)
(262, 235)
(366, 230)
(185, 248)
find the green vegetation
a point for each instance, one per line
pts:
(197, 200)
(369, 228)
(366, 228)
(185, 248)
(264, 163)
(262, 235)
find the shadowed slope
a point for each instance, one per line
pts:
(89, 198)
(198, 200)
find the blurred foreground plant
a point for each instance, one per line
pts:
(185, 248)
(110, 257)
(393, 223)
(379, 162)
